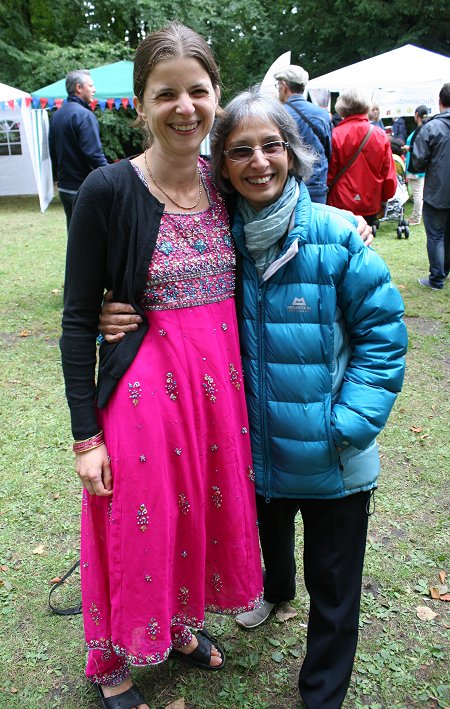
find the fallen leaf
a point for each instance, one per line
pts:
(285, 612)
(56, 496)
(445, 597)
(39, 549)
(55, 291)
(425, 613)
(416, 429)
(439, 590)
(177, 704)
(442, 576)
(57, 579)
(3, 567)
(13, 690)
(24, 333)
(425, 435)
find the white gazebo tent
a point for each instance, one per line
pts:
(25, 165)
(398, 80)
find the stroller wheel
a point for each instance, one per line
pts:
(399, 232)
(402, 222)
(406, 232)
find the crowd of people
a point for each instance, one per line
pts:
(252, 349)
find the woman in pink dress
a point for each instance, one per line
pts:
(168, 524)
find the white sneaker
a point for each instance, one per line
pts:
(258, 616)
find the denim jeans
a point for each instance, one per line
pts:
(437, 227)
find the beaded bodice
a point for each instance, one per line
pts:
(194, 261)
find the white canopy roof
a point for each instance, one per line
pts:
(405, 66)
(398, 80)
(9, 92)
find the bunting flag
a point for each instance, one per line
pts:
(51, 103)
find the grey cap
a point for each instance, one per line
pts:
(293, 73)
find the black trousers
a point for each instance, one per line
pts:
(67, 200)
(335, 534)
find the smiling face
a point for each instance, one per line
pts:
(261, 179)
(178, 105)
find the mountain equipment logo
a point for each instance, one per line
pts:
(299, 305)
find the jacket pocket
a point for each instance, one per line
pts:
(333, 453)
(359, 468)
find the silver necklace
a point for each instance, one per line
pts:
(168, 195)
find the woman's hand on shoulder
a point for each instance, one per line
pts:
(116, 319)
(364, 230)
(94, 471)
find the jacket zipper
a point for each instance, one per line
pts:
(263, 391)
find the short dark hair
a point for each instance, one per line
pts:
(256, 104)
(444, 95)
(295, 88)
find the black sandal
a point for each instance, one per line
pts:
(126, 700)
(201, 656)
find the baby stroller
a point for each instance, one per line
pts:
(394, 209)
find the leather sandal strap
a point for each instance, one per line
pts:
(202, 652)
(127, 700)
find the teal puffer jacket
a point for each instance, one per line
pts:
(323, 345)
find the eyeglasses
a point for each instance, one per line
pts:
(242, 153)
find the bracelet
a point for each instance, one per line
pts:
(89, 443)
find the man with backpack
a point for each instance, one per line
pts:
(313, 123)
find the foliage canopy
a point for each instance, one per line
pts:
(41, 40)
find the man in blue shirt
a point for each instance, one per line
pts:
(74, 137)
(313, 123)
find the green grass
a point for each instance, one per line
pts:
(401, 663)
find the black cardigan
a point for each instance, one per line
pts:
(112, 237)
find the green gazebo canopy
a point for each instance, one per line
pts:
(113, 83)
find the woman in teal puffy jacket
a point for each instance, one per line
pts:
(323, 345)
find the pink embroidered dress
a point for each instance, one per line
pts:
(179, 536)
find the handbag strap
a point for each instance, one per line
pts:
(314, 130)
(352, 159)
(73, 610)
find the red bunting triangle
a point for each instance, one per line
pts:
(59, 102)
(10, 103)
(94, 103)
(43, 102)
(125, 102)
(110, 102)
(28, 101)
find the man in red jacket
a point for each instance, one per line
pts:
(361, 173)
